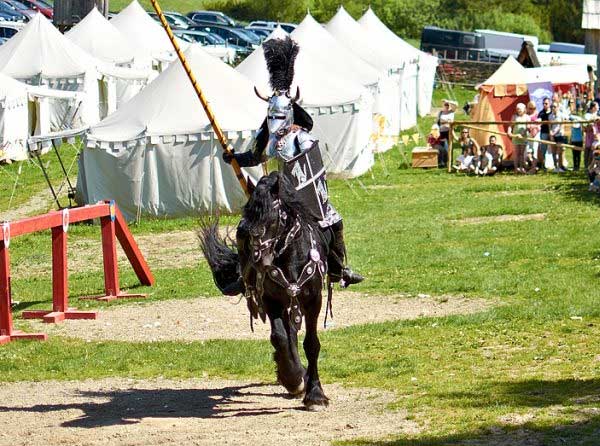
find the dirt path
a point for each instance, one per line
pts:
(221, 318)
(39, 202)
(500, 218)
(188, 412)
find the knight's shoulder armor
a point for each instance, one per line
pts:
(290, 145)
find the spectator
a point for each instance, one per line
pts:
(590, 129)
(464, 162)
(534, 133)
(434, 142)
(484, 163)
(544, 116)
(517, 133)
(445, 118)
(558, 136)
(496, 152)
(467, 143)
(576, 140)
(594, 167)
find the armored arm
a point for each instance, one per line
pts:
(253, 157)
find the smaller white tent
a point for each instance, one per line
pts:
(40, 55)
(101, 39)
(27, 110)
(426, 63)
(354, 37)
(341, 109)
(559, 74)
(143, 32)
(158, 153)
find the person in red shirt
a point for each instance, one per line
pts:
(434, 141)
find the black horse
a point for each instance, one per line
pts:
(280, 265)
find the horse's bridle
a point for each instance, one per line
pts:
(262, 249)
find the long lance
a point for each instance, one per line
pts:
(211, 117)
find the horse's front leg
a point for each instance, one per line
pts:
(315, 398)
(284, 338)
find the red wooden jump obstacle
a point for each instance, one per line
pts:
(113, 225)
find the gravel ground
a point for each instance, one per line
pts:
(188, 412)
(224, 318)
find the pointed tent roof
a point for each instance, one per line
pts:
(169, 105)
(39, 48)
(143, 31)
(356, 38)
(510, 72)
(100, 38)
(318, 87)
(381, 33)
(313, 36)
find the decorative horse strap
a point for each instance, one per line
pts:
(315, 265)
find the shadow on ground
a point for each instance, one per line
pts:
(131, 405)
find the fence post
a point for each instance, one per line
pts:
(5, 310)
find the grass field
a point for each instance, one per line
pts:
(525, 372)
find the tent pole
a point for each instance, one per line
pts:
(202, 98)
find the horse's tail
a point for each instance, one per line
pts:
(222, 258)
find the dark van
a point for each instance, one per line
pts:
(455, 45)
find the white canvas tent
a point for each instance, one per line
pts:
(27, 110)
(336, 58)
(426, 65)
(354, 37)
(143, 32)
(102, 40)
(40, 55)
(14, 119)
(340, 108)
(158, 154)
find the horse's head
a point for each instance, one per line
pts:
(265, 218)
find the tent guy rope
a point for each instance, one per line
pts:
(201, 97)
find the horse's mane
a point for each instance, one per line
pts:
(261, 209)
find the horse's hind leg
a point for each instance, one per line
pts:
(284, 338)
(315, 398)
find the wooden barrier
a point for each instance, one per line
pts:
(113, 226)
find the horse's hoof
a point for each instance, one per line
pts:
(316, 407)
(298, 390)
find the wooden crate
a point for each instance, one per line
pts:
(424, 157)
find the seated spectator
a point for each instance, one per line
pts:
(484, 163)
(496, 152)
(434, 141)
(465, 162)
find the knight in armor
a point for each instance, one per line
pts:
(285, 136)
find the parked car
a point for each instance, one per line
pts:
(262, 33)
(287, 27)
(233, 36)
(213, 44)
(175, 20)
(41, 6)
(9, 15)
(214, 17)
(7, 30)
(14, 15)
(20, 7)
(254, 38)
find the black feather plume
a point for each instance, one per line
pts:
(280, 55)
